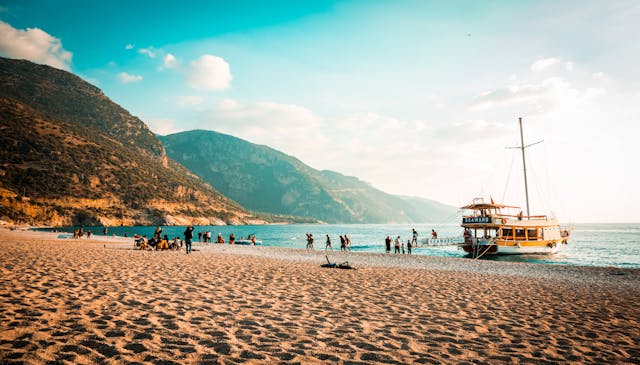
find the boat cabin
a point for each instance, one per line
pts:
(489, 220)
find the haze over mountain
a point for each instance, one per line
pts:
(266, 180)
(69, 155)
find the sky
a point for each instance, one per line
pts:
(417, 98)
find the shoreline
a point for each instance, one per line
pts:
(95, 300)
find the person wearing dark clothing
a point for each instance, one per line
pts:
(328, 244)
(188, 236)
(387, 244)
(343, 244)
(200, 236)
(409, 245)
(157, 233)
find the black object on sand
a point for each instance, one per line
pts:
(333, 265)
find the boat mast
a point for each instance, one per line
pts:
(524, 167)
(524, 163)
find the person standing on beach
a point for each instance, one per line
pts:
(343, 244)
(328, 244)
(347, 241)
(387, 244)
(409, 244)
(232, 238)
(397, 245)
(309, 241)
(414, 239)
(199, 236)
(188, 236)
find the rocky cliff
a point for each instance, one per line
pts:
(69, 155)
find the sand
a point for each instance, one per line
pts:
(99, 301)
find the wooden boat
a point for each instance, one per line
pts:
(493, 229)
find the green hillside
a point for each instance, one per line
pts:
(265, 180)
(69, 155)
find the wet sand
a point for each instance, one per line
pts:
(94, 301)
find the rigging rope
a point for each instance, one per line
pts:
(504, 192)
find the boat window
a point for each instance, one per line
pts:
(519, 233)
(532, 233)
(506, 233)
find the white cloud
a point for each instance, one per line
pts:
(190, 100)
(163, 126)
(538, 95)
(35, 45)
(128, 46)
(126, 78)
(568, 66)
(545, 63)
(209, 73)
(170, 61)
(263, 117)
(150, 52)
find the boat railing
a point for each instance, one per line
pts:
(509, 216)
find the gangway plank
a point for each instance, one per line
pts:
(441, 242)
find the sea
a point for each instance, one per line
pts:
(606, 244)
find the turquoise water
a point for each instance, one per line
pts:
(590, 245)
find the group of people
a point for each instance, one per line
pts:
(159, 242)
(345, 243)
(399, 245)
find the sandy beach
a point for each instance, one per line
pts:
(99, 301)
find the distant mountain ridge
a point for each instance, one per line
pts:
(263, 179)
(69, 155)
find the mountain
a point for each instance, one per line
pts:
(265, 180)
(70, 155)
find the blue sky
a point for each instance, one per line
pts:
(415, 97)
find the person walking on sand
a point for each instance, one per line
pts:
(309, 241)
(397, 245)
(387, 244)
(343, 244)
(328, 244)
(409, 244)
(347, 241)
(188, 236)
